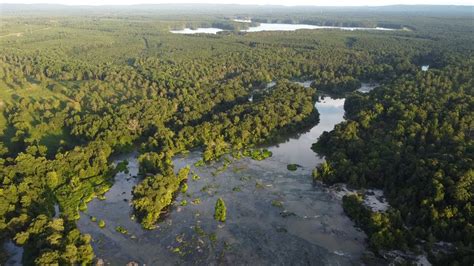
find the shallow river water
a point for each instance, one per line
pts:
(274, 216)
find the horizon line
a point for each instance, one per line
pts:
(228, 4)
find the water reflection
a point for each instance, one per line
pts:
(298, 150)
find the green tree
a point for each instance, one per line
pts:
(220, 210)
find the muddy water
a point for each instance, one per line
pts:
(274, 216)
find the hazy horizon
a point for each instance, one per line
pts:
(327, 3)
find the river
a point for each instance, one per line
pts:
(274, 216)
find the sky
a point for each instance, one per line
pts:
(252, 2)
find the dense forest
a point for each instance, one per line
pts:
(75, 90)
(413, 138)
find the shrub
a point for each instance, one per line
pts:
(220, 211)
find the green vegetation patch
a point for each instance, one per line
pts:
(220, 210)
(292, 167)
(121, 230)
(257, 154)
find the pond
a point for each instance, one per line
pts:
(274, 216)
(367, 87)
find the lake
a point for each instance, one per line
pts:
(243, 20)
(198, 30)
(293, 27)
(274, 27)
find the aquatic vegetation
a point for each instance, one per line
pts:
(183, 203)
(277, 203)
(101, 197)
(237, 154)
(121, 230)
(196, 177)
(220, 210)
(176, 250)
(83, 206)
(200, 163)
(213, 238)
(122, 167)
(237, 169)
(184, 188)
(100, 190)
(292, 167)
(210, 188)
(93, 219)
(101, 223)
(259, 185)
(237, 189)
(322, 173)
(196, 201)
(245, 178)
(220, 170)
(199, 231)
(286, 214)
(257, 154)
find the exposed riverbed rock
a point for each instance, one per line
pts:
(100, 262)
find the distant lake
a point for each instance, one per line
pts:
(198, 30)
(243, 20)
(293, 27)
(273, 27)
